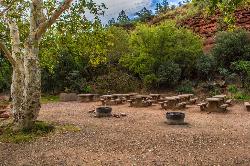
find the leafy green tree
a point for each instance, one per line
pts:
(169, 73)
(151, 46)
(231, 47)
(243, 69)
(206, 67)
(27, 23)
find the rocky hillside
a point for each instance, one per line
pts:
(207, 27)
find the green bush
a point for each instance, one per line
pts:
(243, 69)
(169, 73)
(115, 82)
(185, 87)
(150, 81)
(152, 45)
(231, 47)
(205, 67)
(232, 89)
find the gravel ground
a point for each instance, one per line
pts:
(141, 138)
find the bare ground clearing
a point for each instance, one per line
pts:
(141, 138)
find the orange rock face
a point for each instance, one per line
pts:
(207, 27)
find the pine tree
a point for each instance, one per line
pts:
(144, 14)
(123, 18)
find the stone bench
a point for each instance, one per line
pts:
(202, 106)
(247, 105)
(181, 105)
(193, 101)
(229, 102)
(224, 107)
(162, 104)
(130, 103)
(103, 101)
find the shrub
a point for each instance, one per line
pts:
(152, 45)
(150, 81)
(243, 68)
(232, 89)
(205, 67)
(169, 73)
(185, 87)
(231, 47)
(115, 82)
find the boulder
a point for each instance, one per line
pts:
(66, 97)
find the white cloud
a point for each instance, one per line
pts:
(130, 6)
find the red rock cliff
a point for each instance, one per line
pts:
(207, 27)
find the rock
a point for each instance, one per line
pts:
(5, 115)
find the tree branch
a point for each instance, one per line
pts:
(36, 15)
(7, 7)
(7, 53)
(45, 25)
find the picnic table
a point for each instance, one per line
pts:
(222, 97)
(171, 101)
(214, 104)
(185, 97)
(140, 101)
(155, 97)
(86, 97)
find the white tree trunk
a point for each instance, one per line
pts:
(26, 79)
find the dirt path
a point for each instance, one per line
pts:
(141, 138)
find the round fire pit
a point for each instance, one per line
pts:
(103, 111)
(175, 118)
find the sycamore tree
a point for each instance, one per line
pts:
(23, 24)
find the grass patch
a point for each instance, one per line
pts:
(41, 129)
(242, 96)
(10, 136)
(49, 99)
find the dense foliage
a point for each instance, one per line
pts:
(82, 56)
(231, 47)
(162, 50)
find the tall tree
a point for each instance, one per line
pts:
(165, 5)
(144, 14)
(27, 22)
(123, 18)
(158, 8)
(111, 22)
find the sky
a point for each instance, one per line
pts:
(130, 6)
